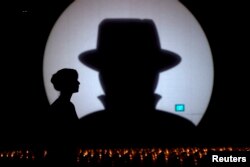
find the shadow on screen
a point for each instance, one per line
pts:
(129, 60)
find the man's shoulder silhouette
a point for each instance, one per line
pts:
(156, 117)
(154, 127)
(172, 120)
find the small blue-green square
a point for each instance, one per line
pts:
(179, 107)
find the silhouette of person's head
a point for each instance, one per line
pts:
(129, 58)
(66, 81)
(63, 119)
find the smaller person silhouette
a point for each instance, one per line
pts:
(62, 146)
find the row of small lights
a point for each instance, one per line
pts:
(17, 154)
(143, 153)
(20, 154)
(121, 152)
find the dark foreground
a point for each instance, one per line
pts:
(119, 157)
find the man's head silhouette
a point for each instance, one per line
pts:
(119, 40)
(129, 59)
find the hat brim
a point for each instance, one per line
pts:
(162, 61)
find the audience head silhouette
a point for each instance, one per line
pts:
(129, 59)
(65, 80)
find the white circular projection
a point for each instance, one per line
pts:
(189, 83)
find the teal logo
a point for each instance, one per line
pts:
(179, 107)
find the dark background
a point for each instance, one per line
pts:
(24, 105)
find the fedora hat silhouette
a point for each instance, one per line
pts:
(129, 42)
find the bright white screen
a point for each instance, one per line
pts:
(189, 83)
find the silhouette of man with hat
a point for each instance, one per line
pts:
(129, 59)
